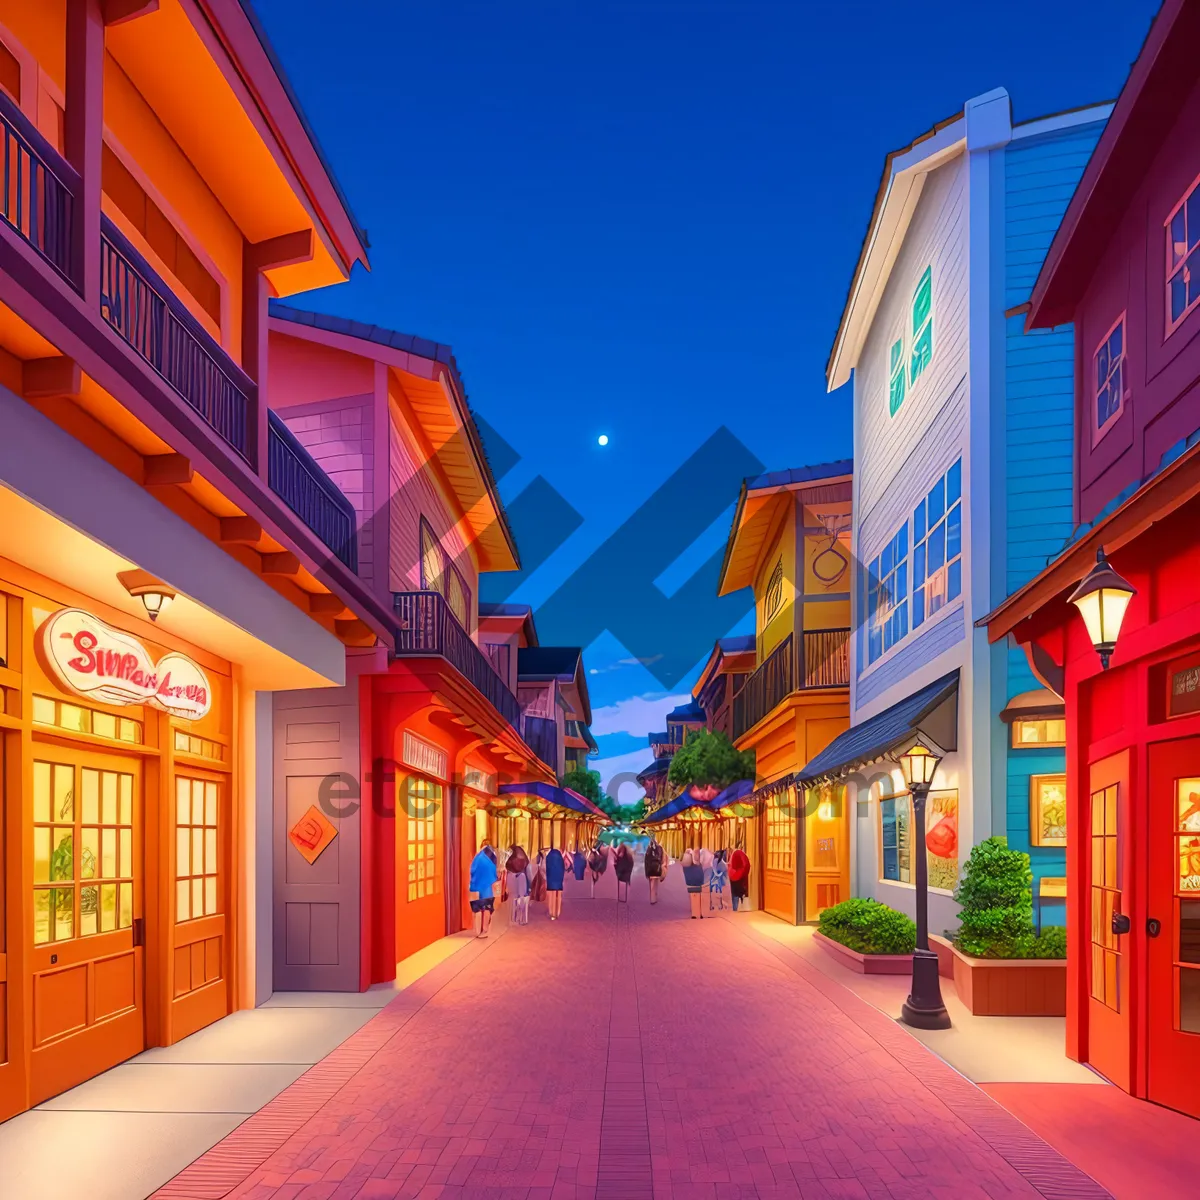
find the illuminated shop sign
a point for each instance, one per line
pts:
(479, 781)
(94, 660)
(425, 757)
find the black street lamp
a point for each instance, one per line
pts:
(924, 1008)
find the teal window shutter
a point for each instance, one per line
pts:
(922, 326)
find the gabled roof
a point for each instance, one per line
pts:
(512, 616)
(564, 663)
(660, 766)
(727, 653)
(761, 507)
(1159, 81)
(433, 389)
(691, 711)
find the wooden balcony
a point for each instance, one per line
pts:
(427, 627)
(823, 661)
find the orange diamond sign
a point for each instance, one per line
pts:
(312, 834)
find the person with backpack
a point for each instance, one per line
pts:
(653, 865)
(597, 862)
(517, 868)
(739, 876)
(623, 868)
(579, 863)
(556, 870)
(693, 878)
(483, 888)
(718, 880)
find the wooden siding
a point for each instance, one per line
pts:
(337, 433)
(1040, 177)
(414, 494)
(914, 652)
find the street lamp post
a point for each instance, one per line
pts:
(924, 1008)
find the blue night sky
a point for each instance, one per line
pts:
(640, 219)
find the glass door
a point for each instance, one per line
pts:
(88, 952)
(1173, 926)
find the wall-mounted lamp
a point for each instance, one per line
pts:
(1102, 598)
(152, 592)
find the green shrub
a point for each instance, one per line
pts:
(995, 901)
(869, 927)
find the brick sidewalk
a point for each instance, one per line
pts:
(627, 1052)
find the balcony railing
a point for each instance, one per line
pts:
(303, 486)
(39, 189)
(824, 663)
(425, 626)
(541, 736)
(144, 311)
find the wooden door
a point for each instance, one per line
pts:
(85, 816)
(826, 851)
(420, 908)
(780, 860)
(317, 829)
(200, 986)
(1173, 952)
(1105, 825)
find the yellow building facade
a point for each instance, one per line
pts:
(790, 543)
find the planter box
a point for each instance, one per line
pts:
(865, 964)
(945, 952)
(1011, 987)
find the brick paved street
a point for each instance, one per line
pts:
(629, 1052)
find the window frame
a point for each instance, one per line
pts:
(434, 543)
(1171, 272)
(1037, 784)
(897, 373)
(894, 798)
(452, 572)
(1016, 744)
(1099, 431)
(916, 334)
(875, 587)
(773, 593)
(922, 543)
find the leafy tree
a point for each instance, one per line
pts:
(586, 783)
(710, 759)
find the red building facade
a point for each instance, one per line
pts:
(1125, 269)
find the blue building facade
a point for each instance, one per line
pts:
(963, 435)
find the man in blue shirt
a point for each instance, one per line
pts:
(483, 888)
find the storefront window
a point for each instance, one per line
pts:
(1106, 898)
(1187, 835)
(1048, 810)
(1051, 732)
(423, 821)
(197, 864)
(75, 718)
(895, 815)
(1189, 966)
(187, 743)
(781, 831)
(89, 892)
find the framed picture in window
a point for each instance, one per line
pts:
(1048, 810)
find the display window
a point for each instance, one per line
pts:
(1048, 810)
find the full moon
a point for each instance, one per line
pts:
(603, 439)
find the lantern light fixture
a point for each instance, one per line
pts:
(152, 592)
(918, 763)
(1102, 598)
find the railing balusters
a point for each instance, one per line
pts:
(823, 661)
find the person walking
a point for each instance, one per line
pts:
(705, 859)
(579, 863)
(517, 868)
(484, 877)
(556, 870)
(654, 865)
(739, 877)
(537, 886)
(693, 878)
(597, 863)
(623, 868)
(716, 884)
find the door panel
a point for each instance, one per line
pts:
(88, 1008)
(1173, 956)
(1107, 954)
(779, 870)
(317, 903)
(420, 855)
(826, 851)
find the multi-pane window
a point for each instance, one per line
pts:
(887, 595)
(78, 719)
(458, 596)
(1183, 257)
(896, 377)
(1109, 379)
(433, 561)
(197, 863)
(1051, 731)
(83, 866)
(773, 596)
(937, 546)
(423, 821)
(1106, 898)
(895, 819)
(188, 743)
(922, 326)
(781, 831)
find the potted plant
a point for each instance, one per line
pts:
(1002, 967)
(868, 937)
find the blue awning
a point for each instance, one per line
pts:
(733, 793)
(548, 792)
(887, 731)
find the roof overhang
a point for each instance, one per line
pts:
(1038, 705)
(933, 710)
(430, 395)
(1161, 78)
(496, 619)
(904, 175)
(762, 507)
